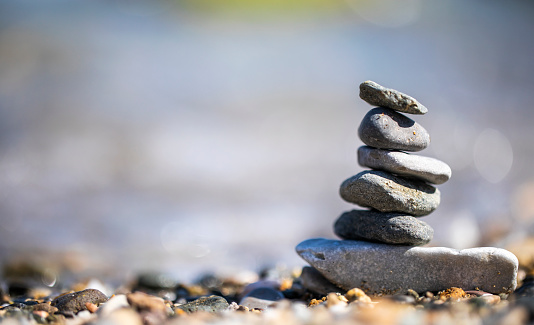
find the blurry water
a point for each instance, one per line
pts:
(156, 136)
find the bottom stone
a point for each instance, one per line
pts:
(385, 269)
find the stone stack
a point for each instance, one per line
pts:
(379, 252)
(396, 189)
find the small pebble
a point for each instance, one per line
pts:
(377, 95)
(75, 302)
(208, 304)
(384, 128)
(114, 303)
(357, 294)
(261, 298)
(388, 193)
(145, 302)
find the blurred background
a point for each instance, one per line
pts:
(186, 136)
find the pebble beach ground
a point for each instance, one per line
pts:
(31, 294)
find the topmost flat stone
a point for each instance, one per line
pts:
(378, 95)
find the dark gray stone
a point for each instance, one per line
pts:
(389, 228)
(261, 298)
(315, 282)
(386, 129)
(156, 281)
(397, 162)
(378, 95)
(207, 304)
(388, 193)
(389, 269)
(75, 302)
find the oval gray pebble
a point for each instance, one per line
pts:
(378, 95)
(211, 304)
(75, 302)
(386, 129)
(388, 193)
(388, 228)
(424, 168)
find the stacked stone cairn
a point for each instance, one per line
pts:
(397, 189)
(379, 250)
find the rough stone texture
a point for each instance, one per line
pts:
(387, 193)
(378, 95)
(388, 269)
(75, 302)
(314, 281)
(386, 129)
(424, 168)
(389, 228)
(207, 304)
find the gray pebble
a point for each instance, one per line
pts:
(389, 228)
(388, 193)
(75, 302)
(207, 304)
(424, 168)
(386, 129)
(378, 95)
(261, 298)
(389, 269)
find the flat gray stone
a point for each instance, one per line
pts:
(388, 193)
(424, 168)
(384, 227)
(388, 269)
(384, 128)
(378, 95)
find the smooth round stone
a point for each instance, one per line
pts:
(424, 168)
(388, 193)
(378, 95)
(388, 228)
(386, 129)
(390, 269)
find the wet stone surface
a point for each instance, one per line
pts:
(388, 228)
(388, 193)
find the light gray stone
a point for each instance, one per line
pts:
(388, 228)
(404, 164)
(388, 269)
(386, 129)
(388, 193)
(378, 95)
